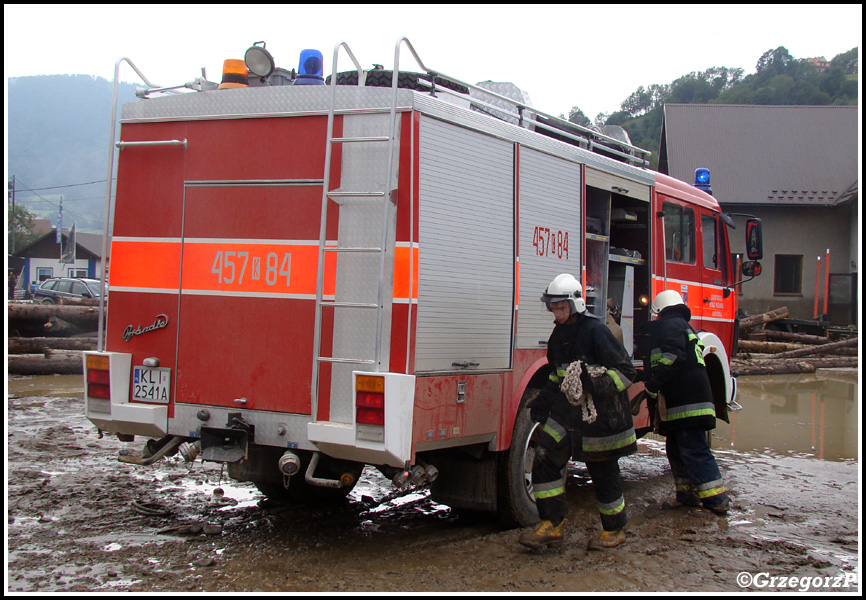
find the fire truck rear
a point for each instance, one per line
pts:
(309, 277)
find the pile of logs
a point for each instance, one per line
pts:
(47, 339)
(765, 351)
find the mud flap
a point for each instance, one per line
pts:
(465, 482)
(721, 406)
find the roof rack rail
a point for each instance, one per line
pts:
(547, 124)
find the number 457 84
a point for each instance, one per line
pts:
(550, 243)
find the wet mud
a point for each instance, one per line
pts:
(80, 521)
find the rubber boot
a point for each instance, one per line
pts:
(547, 534)
(682, 500)
(607, 539)
(721, 509)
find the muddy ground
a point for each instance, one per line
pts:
(80, 521)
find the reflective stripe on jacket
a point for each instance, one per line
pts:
(675, 367)
(586, 338)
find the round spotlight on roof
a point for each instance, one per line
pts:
(259, 61)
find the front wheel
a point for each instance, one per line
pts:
(516, 503)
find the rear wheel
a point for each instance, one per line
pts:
(301, 492)
(516, 503)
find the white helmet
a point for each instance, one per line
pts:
(565, 287)
(665, 299)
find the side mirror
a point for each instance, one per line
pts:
(754, 242)
(752, 268)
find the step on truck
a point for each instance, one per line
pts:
(311, 275)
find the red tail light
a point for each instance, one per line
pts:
(370, 408)
(98, 384)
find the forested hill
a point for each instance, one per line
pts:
(57, 137)
(779, 78)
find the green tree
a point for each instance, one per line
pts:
(21, 227)
(576, 116)
(774, 62)
(847, 61)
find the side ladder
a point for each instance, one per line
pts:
(381, 196)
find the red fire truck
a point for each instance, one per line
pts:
(310, 276)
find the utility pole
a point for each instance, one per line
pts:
(11, 184)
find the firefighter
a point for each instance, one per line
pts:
(584, 413)
(678, 386)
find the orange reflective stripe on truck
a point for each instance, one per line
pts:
(145, 264)
(254, 267)
(269, 268)
(406, 272)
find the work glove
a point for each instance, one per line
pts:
(640, 376)
(539, 407)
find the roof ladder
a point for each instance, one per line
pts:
(384, 200)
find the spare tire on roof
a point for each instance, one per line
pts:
(406, 79)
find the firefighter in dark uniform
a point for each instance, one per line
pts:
(678, 387)
(583, 413)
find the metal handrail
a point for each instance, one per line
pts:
(123, 145)
(100, 342)
(323, 223)
(522, 107)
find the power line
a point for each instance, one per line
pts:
(58, 187)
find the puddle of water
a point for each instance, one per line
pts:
(53, 386)
(809, 415)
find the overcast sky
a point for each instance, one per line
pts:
(592, 57)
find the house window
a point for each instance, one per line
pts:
(788, 278)
(679, 234)
(43, 273)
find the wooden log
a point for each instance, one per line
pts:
(78, 301)
(766, 347)
(818, 349)
(38, 345)
(771, 359)
(43, 312)
(58, 362)
(34, 319)
(776, 367)
(755, 320)
(799, 338)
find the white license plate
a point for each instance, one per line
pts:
(151, 384)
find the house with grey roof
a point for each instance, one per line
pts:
(43, 258)
(797, 169)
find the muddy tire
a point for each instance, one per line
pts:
(301, 492)
(515, 503)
